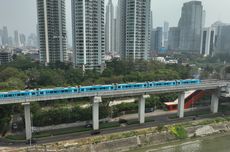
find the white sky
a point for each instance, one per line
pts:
(21, 14)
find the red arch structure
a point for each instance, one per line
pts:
(190, 99)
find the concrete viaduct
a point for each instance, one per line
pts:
(215, 86)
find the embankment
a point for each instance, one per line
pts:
(125, 141)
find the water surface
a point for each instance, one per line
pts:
(208, 144)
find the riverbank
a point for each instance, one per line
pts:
(131, 140)
(213, 143)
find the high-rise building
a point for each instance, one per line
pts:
(190, 26)
(173, 38)
(52, 30)
(223, 39)
(217, 27)
(203, 18)
(115, 36)
(1, 37)
(22, 40)
(109, 28)
(207, 41)
(121, 27)
(5, 36)
(16, 38)
(32, 41)
(151, 20)
(88, 33)
(165, 34)
(10, 41)
(156, 39)
(135, 23)
(38, 37)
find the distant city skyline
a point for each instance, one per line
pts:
(24, 17)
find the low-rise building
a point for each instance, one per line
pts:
(5, 56)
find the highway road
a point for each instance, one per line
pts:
(158, 120)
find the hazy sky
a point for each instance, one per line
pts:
(21, 14)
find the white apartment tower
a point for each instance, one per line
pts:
(109, 29)
(207, 41)
(135, 27)
(52, 30)
(88, 33)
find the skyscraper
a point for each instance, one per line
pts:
(156, 39)
(151, 20)
(135, 15)
(88, 33)
(115, 36)
(173, 39)
(121, 27)
(165, 34)
(207, 41)
(22, 40)
(190, 26)
(109, 28)
(223, 39)
(203, 18)
(1, 37)
(52, 30)
(5, 36)
(32, 41)
(16, 38)
(10, 41)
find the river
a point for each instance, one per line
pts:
(207, 144)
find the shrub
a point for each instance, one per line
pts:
(178, 131)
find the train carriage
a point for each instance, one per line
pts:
(96, 88)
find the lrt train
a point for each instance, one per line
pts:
(96, 88)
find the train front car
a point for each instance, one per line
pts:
(15, 94)
(188, 82)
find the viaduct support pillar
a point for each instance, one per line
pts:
(95, 112)
(27, 121)
(141, 108)
(214, 102)
(180, 107)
